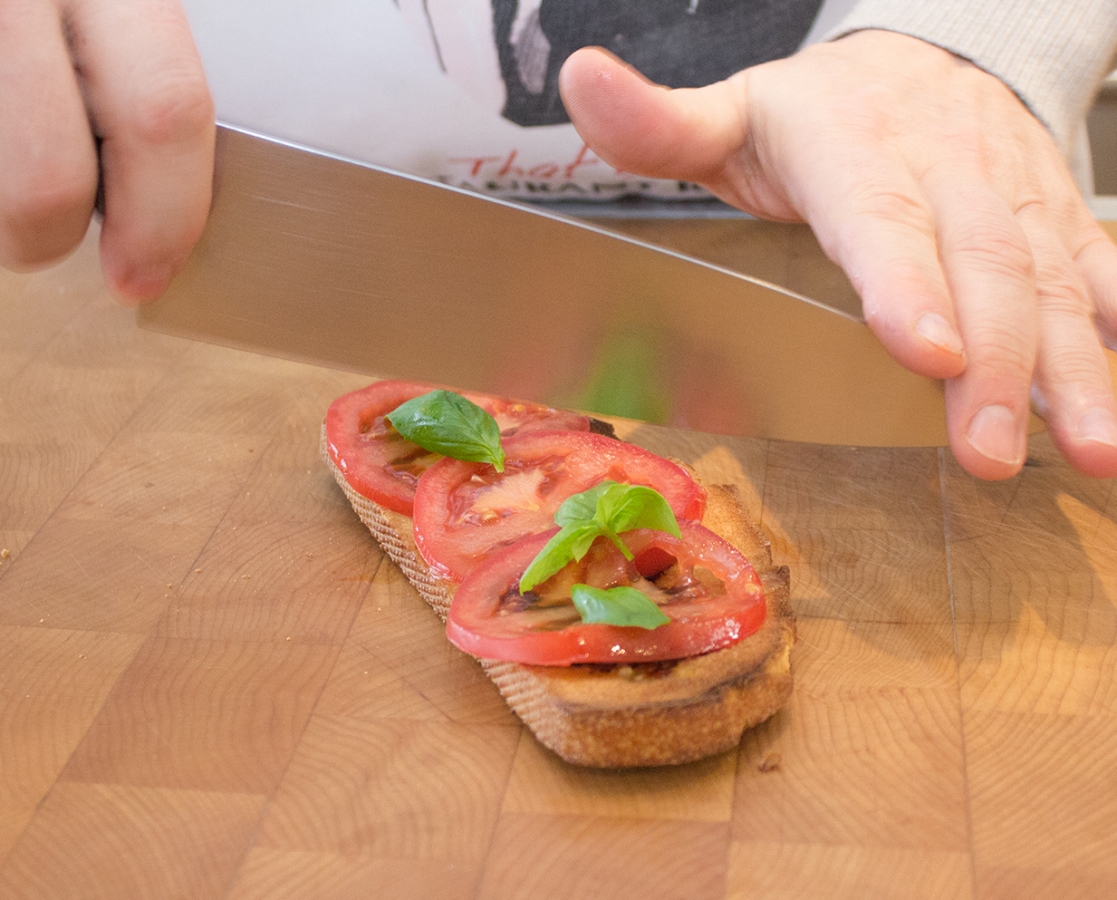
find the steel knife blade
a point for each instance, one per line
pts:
(318, 258)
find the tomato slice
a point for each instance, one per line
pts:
(707, 588)
(380, 464)
(465, 512)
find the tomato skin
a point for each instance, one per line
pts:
(368, 451)
(464, 512)
(384, 467)
(485, 622)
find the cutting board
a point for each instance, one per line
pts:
(214, 685)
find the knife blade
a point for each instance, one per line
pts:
(318, 258)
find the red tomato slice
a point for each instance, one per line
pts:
(711, 593)
(465, 512)
(381, 465)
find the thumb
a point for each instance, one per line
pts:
(647, 129)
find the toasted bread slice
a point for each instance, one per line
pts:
(647, 713)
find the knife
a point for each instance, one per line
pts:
(313, 257)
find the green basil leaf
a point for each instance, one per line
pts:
(617, 606)
(605, 510)
(583, 507)
(445, 422)
(572, 542)
(625, 507)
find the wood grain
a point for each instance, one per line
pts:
(108, 841)
(214, 685)
(54, 684)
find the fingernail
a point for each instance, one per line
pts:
(993, 434)
(1098, 425)
(936, 330)
(139, 286)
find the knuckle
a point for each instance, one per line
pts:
(173, 108)
(1003, 347)
(1060, 292)
(999, 249)
(1069, 366)
(900, 212)
(44, 212)
(1093, 244)
(894, 206)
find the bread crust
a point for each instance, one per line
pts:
(645, 714)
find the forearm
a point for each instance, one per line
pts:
(1053, 53)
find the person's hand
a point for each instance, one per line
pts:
(124, 73)
(945, 201)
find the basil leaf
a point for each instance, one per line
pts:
(572, 542)
(583, 507)
(605, 510)
(625, 507)
(617, 606)
(445, 422)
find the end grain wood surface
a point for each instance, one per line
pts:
(214, 685)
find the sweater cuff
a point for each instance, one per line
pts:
(1052, 54)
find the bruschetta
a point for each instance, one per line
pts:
(468, 534)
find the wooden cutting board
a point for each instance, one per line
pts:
(213, 684)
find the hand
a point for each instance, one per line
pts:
(945, 201)
(125, 72)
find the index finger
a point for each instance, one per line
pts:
(147, 96)
(990, 268)
(872, 218)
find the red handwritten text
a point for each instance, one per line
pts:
(507, 166)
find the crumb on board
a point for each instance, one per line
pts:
(770, 763)
(5, 553)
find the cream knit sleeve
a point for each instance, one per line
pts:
(1053, 53)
